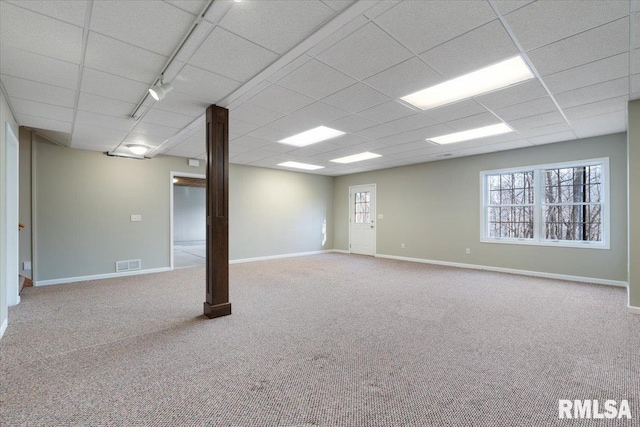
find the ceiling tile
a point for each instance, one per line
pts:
(589, 74)
(316, 80)
(472, 122)
(39, 68)
(227, 54)
(422, 25)
(417, 121)
(338, 35)
(240, 127)
(234, 150)
(635, 83)
(102, 121)
(47, 111)
(457, 110)
(492, 148)
(70, 11)
(601, 42)
(597, 92)
(378, 8)
(94, 144)
(476, 49)
(288, 68)
(194, 7)
(276, 25)
(516, 94)
(338, 5)
(156, 130)
(356, 98)
(379, 131)
(122, 59)
(636, 25)
(99, 83)
(42, 123)
(30, 31)
(561, 19)
(160, 31)
(252, 156)
(251, 142)
(89, 131)
(149, 140)
(255, 114)
(387, 112)
(545, 130)
(317, 114)
(204, 85)
(507, 6)
(635, 60)
(405, 78)
(26, 89)
(364, 53)
(166, 118)
(269, 134)
(537, 121)
(554, 137)
(102, 105)
(600, 125)
(352, 123)
(598, 108)
(526, 109)
(281, 99)
(178, 102)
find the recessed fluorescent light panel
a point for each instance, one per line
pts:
(357, 157)
(500, 75)
(467, 135)
(321, 133)
(297, 165)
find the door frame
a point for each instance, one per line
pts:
(375, 228)
(11, 202)
(173, 175)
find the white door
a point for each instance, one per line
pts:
(11, 215)
(362, 215)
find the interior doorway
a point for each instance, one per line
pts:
(362, 215)
(188, 220)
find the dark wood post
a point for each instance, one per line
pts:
(217, 303)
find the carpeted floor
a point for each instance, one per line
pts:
(327, 340)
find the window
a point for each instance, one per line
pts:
(556, 204)
(362, 208)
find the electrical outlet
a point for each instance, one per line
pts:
(468, 251)
(136, 218)
(402, 245)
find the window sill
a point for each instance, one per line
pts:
(553, 244)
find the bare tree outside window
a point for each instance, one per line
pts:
(510, 207)
(363, 207)
(572, 207)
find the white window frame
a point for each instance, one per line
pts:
(538, 224)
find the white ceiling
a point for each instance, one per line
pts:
(78, 69)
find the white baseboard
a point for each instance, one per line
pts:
(3, 327)
(510, 271)
(98, 276)
(340, 251)
(265, 258)
(634, 310)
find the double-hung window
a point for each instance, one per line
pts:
(561, 204)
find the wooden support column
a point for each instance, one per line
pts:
(217, 303)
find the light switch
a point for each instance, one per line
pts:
(380, 216)
(136, 218)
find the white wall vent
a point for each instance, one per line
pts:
(128, 265)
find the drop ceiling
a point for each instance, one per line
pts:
(78, 70)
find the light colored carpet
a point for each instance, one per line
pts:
(327, 340)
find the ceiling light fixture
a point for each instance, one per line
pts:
(158, 92)
(138, 149)
(497, 76)
(297, 165)
(357, 157)
(467, 135)
(312, 136)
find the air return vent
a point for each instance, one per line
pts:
(128, 265)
